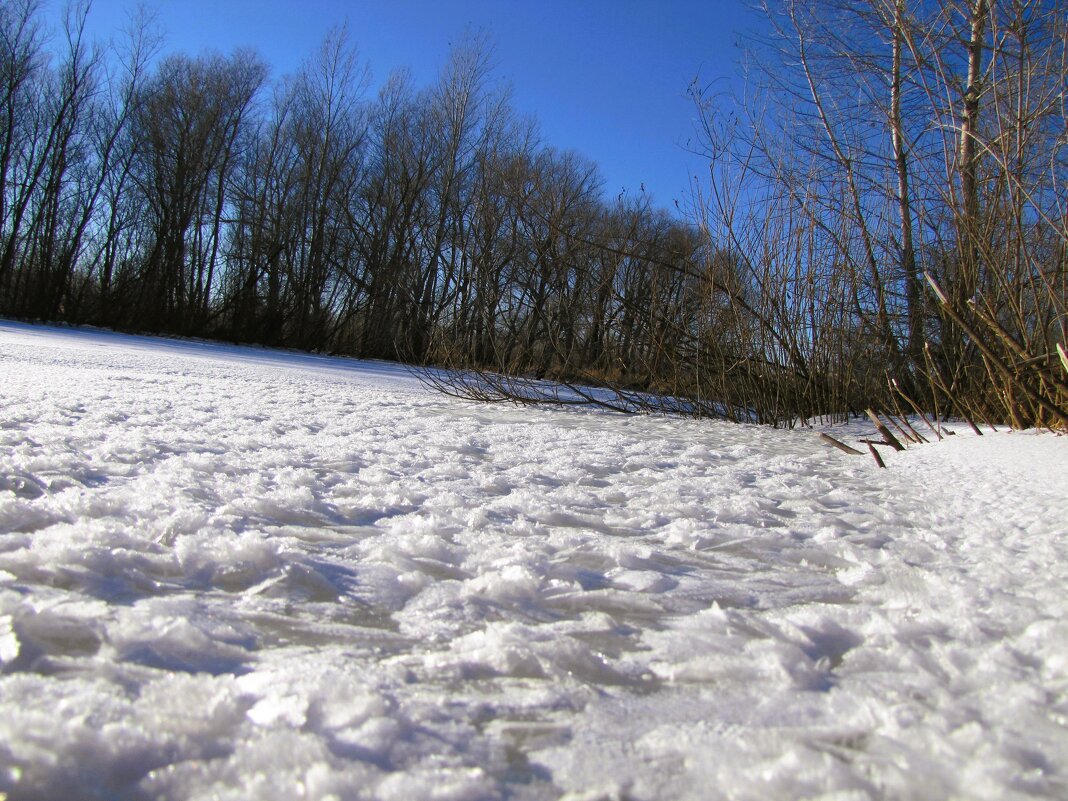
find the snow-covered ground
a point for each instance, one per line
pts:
(231, 573)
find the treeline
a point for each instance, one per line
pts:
(886, 219)
(894, 191)
(192, 196)
(885, 223)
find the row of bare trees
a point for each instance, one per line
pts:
(189, 195)
(885, 223)
(894, 188)
(886, 214)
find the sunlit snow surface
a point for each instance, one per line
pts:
(235, 574)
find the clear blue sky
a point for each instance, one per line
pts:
(607, 79)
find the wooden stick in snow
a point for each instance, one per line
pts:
(888, 438)
(840, 445)
(916, 409)
(915, 435)
(905, 435)
(878, 459)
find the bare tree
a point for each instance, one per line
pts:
(189, 126)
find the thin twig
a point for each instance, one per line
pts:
(915, 408)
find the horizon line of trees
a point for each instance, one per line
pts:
(885, 218)
(189, 195)
(884, 224)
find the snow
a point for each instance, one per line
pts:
(234, 573)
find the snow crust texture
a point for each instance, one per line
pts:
(229, 573)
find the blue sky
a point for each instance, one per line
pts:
(607, 79)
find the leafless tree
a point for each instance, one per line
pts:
(188, 130)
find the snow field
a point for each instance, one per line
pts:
(230, 573)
